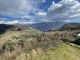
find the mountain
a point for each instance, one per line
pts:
(71, 26)
(4, 27)
(68, 27)
(46, 26)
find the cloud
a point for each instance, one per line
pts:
(24, 9)
(64, 10)
(8, 22)
(17, 22)
(42, 1)
(17, 7)
(29, 10)
(42, 13)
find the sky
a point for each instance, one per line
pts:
(35, 11)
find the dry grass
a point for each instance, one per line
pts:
(36, 45)
(64, 52)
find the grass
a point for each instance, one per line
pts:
(65, 52)
(36, 45)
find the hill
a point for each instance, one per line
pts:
(71, 26)
(25, 43)
(68, 27)
(4, 28)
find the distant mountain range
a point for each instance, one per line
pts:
(46, 26)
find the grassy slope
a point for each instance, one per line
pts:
(63, 52)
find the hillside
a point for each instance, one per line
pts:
(25, 43)
(67, 27)
(71, 26)
(46, 26)
(4, 28)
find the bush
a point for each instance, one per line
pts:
(77, 41)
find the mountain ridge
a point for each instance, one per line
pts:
(46, 26)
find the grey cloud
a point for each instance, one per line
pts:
(64, 10)
(17, 7)
(21, 9)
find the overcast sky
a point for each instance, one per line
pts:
(31, 11)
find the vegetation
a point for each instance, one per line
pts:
(32, 44)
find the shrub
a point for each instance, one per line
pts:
(77, 41)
